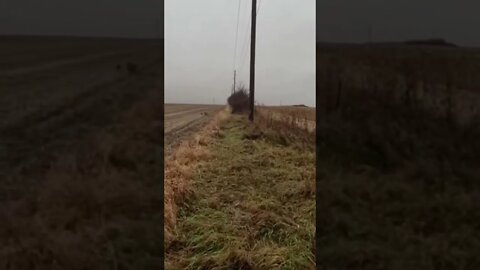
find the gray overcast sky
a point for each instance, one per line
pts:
(347, 20)
(119, 18)
(200, 44)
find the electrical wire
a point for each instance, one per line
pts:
(236, 35)
(247, 37)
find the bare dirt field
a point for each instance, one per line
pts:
(181, 120)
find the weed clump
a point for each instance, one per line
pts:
(239, 101)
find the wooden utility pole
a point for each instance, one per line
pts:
(252, 60)
(234, 80)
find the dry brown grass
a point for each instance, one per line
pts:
(290, 123)
(288, 117)
(253, 204)
(299, 112)
(399, 173)
(97, 207)
(179, 167)
(439, 80)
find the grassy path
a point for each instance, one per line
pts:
(253, 206)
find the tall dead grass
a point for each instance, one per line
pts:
(291, 125)
(237, 218)
(440, 81)
(307, 113)
(96, 207)
(399, 172)
(179, 167)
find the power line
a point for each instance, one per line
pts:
(236, 35)
(245, 50)
(258, 7)
(244, 54)
(247, 38)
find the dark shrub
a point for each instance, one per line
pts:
(239, 101)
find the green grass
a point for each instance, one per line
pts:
(253, 207)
